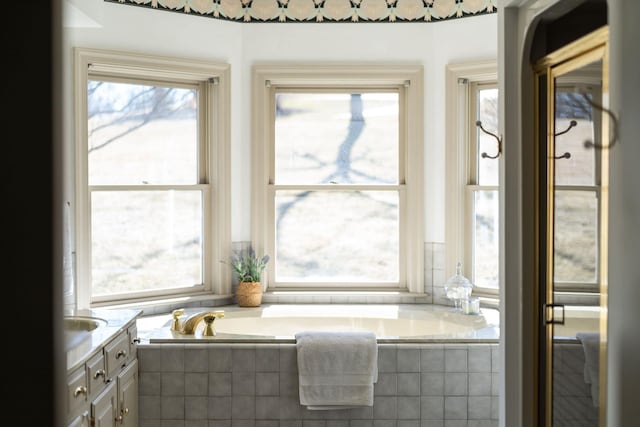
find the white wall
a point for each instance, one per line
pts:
(433, 45)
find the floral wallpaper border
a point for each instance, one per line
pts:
(323, 10)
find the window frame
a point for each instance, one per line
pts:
(212, 79)
(461, 148)
(267, 79)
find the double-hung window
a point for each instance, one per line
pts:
(473, 175)
(151, 174)
(338, 176)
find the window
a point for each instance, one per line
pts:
(577, 188)
(473, 176)
(337, 189)
(152, 205)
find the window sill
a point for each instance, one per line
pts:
(345, 297)
(166, 305)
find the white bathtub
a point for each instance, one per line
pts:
(280, 322)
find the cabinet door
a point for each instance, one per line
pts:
(82, 420)
(104, 407)
(128, 395)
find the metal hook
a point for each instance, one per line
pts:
(566, 155)
(498, 138)
(614, 125)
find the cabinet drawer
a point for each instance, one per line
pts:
(96, 374)
(76, 390)
(133, 341)
(116, 354)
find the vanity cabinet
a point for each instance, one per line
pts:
(103, 390)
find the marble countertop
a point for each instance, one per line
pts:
(81, 346)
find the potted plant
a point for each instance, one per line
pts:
(248, 268)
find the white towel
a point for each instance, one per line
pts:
(336, 370)
(591, 346)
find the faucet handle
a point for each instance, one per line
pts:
(209, 318)
(175, 323)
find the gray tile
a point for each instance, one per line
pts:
(479, 407)
(267, 407)
(243, 360)
(172, 384)
(495, 408)
(341, 423)
(495, 359)
(408, 384)
(171, 423)
(455, 360)
(243, 423)
(243, 407)
(288, 359)
(431, 423)
(173, 358)
(149, 383)
(219, 359)
(219, 423)
(220, 384)
(363, 413)
(432, 360)
(290, 408)
(455, 384)
(432, 407)
(455, 423)
(288, 384)
(387, 385)
(149, 407)
(149, 359)
(219, 408)
(408, 408)
(314, 423)
(479, 359)
(196, 359)
(494, 423)
(291, 423)
(360, 423)
(195, 408)
(432, 384)
(495, 384)
(408, 423)
(172, 408)
(267, 359)
(243, 383)
(387, 358)
(385, 407)
(267, 383)
(196, 423)
(455, 408)
(149, 423)
(196, 384)
(480, 384)
(267, 423)
(408, 359)
(384, 423)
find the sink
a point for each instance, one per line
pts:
(78, 328)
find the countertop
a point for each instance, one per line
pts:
(83, 346)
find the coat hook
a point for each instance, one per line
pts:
(498, 138)
(566, 155)
(614, 125)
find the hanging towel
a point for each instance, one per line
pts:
(591, 346)
(336, 370)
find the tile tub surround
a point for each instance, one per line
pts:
(249, 385)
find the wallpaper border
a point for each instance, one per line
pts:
(322, 11)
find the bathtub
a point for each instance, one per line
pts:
(280, 322)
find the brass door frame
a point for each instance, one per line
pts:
(585, 50)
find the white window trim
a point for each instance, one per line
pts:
(411, 76)
(457, 238)
(217, 218)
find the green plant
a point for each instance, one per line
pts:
(247, 266)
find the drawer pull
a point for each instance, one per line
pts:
(136, 340)
(121, 353)
(119, 419)
(80, 390)
(99, 373)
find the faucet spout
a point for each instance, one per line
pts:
(190, 325)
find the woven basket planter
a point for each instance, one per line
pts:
(249, 294)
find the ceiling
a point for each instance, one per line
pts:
(326, 11)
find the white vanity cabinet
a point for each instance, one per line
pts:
(102, 388)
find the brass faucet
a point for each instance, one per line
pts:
(190, 324)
